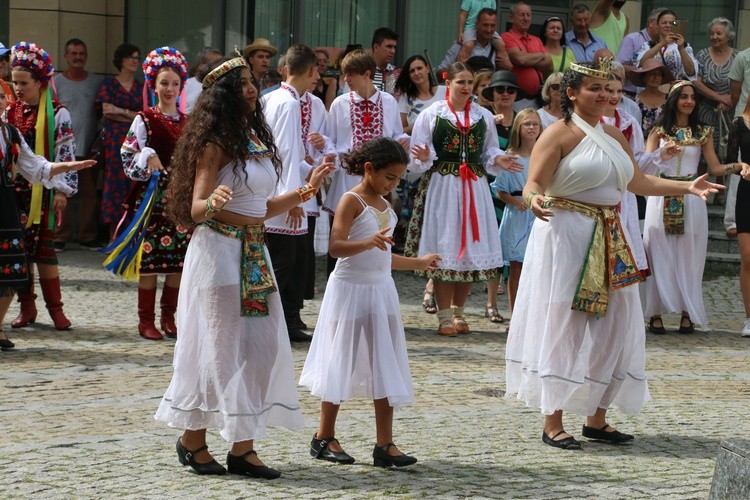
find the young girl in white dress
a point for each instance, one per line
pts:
(359, 348)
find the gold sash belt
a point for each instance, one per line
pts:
(674, 208)
(256, 281)
(609, 263)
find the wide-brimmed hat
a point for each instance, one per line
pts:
(502, 78)
(260, 44)
(638, 76)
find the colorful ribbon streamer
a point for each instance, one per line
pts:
(125, 257)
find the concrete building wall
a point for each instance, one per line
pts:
(50, 23)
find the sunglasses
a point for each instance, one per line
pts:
(505, 90)
(554, 86)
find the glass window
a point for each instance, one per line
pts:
(337, 23)
(169, 22)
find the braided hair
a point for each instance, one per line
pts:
(574, 80)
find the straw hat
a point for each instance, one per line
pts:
(259, 44)
(638, 76)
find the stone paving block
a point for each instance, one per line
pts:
(78, 407)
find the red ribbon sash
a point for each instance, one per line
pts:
(467, 178)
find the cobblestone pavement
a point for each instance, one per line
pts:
(77, 413)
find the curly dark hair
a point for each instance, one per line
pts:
(382, 152)
(223, 117)
(668, 117)
(574, 80)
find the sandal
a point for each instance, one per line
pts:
(494, 316)
(428, 303)
(656, 329)
(689, 328)
(460, 324)
(447, 329)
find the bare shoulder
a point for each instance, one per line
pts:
(213, 156)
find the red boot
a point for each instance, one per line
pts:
(53, 300)
(146, 315)
(27, 315)
(168, 307)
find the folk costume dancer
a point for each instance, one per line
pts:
(153, 244)
(46, 127)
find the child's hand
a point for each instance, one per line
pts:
(380, 240)
(430, 262)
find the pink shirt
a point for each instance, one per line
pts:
(529, 78)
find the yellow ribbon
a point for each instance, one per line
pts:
(37, 190)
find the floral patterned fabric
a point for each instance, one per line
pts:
(116, 184)
(13, 267)
(164, 244)
(38, 237)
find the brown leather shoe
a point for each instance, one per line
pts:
(447, 329)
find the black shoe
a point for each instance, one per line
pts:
(656, 329)
(186, 457)
(690, 328)
(319, 449)
(6, 345)
(295, 324)
(569, 443)
(616, 437)
(238, 465)
(59, 246)
(381, 458)
(299, 336)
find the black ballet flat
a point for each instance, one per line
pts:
(615, 436)
(187, 457)
(569, 443)
(6, 345)
(238, 465)
(319, 449)
(381, 458)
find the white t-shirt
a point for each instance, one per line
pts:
(412, 107)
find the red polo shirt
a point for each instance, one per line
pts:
(529, 78)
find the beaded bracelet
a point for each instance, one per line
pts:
(210, 209)
(306, 192)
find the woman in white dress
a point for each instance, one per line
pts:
(675, 231)
(233, 365)
(576, 341)
(454, 142)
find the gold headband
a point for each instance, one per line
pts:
(222, 70)
(678, 85)
(603, 71)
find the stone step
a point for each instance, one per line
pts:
(716, 218)
(718, 241)
(719, 263)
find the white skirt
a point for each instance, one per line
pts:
(231, 373)
(443, 220)
(677, 262)
(359, 347)
(560, 359)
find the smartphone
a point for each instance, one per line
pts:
(680, 27)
